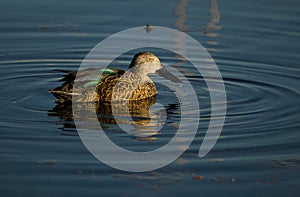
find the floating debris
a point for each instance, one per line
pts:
(46, 162)
(148, 28)
(283, 163)
(218, 160)
(197, 177)
(63, 25)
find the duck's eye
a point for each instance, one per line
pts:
(151, 59)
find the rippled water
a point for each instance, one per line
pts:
(256, 47)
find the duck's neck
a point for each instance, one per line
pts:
(140, 75)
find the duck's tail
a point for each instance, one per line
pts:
(61, 95)
(64, 92)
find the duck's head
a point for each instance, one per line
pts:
(147, 63)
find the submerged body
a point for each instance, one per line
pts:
(113, 84)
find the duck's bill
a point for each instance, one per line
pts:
(166, 74)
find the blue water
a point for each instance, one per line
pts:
(256, 47)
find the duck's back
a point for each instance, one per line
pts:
(123, 87)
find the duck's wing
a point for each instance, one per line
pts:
(106, 84)
(85, 78)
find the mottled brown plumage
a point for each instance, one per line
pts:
(113, 84)
(123, 88)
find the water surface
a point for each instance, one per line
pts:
(256, 47)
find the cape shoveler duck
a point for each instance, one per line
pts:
(133, 84)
